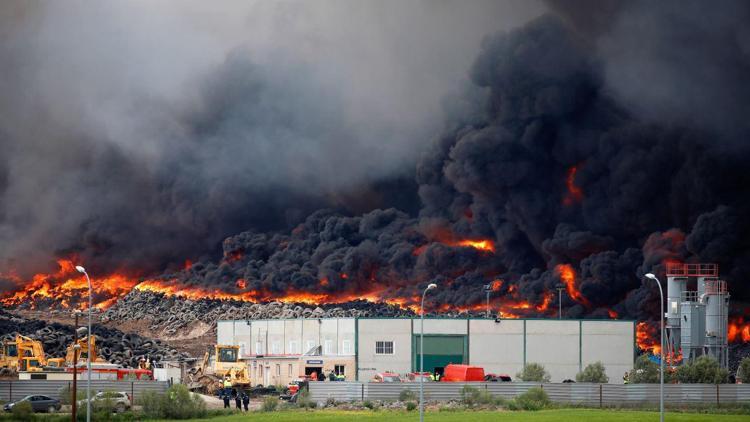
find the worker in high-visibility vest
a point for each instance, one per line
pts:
(340, 377)
(432, 377)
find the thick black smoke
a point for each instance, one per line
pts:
(642, 192)
(139, 135)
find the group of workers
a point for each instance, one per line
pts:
(332, 376)
(240, 397)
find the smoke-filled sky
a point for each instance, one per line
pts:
(144, 132)
(608, 136)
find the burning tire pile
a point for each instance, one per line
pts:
(114, 346)
(169, 315)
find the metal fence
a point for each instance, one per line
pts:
(575, 393)
(17, 389)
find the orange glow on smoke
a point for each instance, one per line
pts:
(568, 277)
(241, 284)
(738, 330)
(496, 285)
(482, 245)
(612, 314)
(70, 288)
(575, 194)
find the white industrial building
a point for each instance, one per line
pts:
(283, 349)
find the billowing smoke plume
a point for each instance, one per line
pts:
(552, 165)
(137, 135)
(570, 174)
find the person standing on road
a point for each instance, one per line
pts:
(245, 399)
(225, 396)
(238, 401)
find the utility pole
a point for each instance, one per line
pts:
(74, 393)
(560, 289)
(488, 290)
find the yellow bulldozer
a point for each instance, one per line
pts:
(222, 369)
(21, 354)
(69, 360)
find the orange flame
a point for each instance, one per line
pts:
(496, 285)
(568, 277)
(241, 284)
(646, 337)
(67, 285)
(481, 244)
(575, 194)
(738, 330)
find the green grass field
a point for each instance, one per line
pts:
(587, 415)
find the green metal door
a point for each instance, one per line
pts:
(440, 350)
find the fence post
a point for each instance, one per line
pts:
(10, 385)
(717, 395)
(600, 396)
(132, 394)
(363, 391)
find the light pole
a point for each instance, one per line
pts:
(76, 348)
(661, 350)
(82, 270)
(488, 290)
(421, 354)
(560, 289)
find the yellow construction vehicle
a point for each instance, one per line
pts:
(22, 354)
(214, 371)
(83, 352)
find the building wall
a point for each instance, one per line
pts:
(369, 331)
(554, 344)
(564, 347)
(610, 342)
(497, 347)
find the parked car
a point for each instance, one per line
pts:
(415, 376)
(38, 402)
(386, 377)
(498, 378)
(121, 401)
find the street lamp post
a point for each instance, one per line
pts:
(82, 270)
(421, 354)
(488, 290)
(661, 350)
(560, 289)
(76, 347)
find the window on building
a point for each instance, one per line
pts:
(383, 347)
(278, 370)
(291, 370)
(293, 347)
(347, 347)
(243, 348)
(328, 347)
(275, 348)
(339, 369)
(258, 348)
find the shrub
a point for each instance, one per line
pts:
(368, 404)
(534, 399)
(533, 372)
(704, 370)
(471, 396)
(644, 372)
(330, 402)
(303, 400)
(176, 403)
(65, 394)
(406, 395)
(269, 404)
(594, 372)
(410, 406)
(743, 371)
(22, 411)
